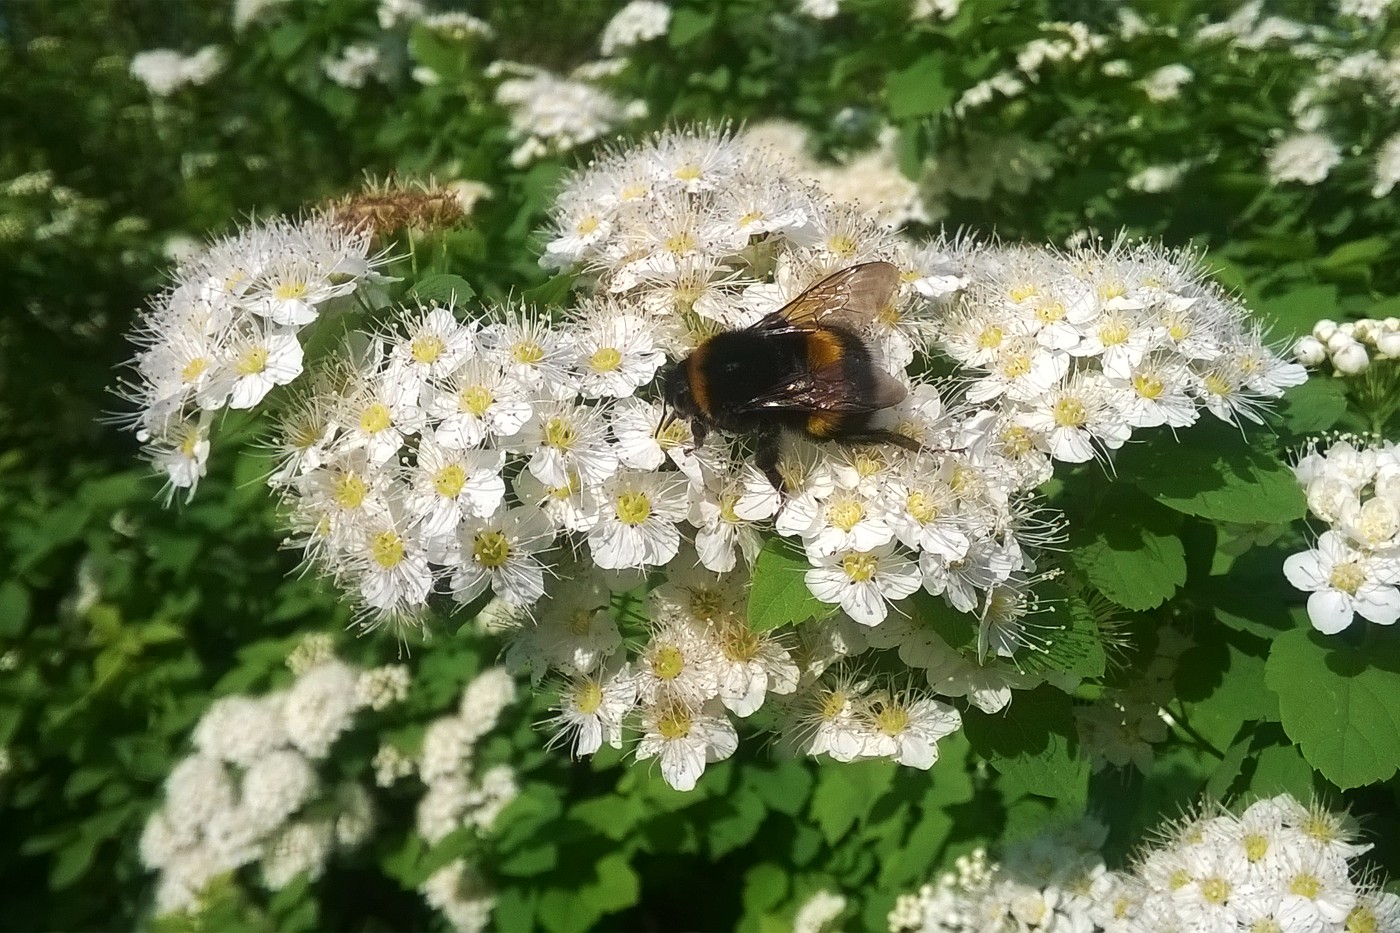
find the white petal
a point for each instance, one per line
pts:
(1330, 611)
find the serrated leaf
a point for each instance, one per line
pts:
(1340, 704)
(1215, 474)
(1314, 406)
(846, 794)
(1129, 551)
(1033, 745)
(446, 290)
(778, 594)
(919, 90)
(1295, 312)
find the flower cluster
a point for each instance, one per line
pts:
(228, 331)
(165, 71)
(251, 792)
(1279, 865)
(637, 22)
(1354, 568)
(1349, 347)
(1077, 351)
(454, 799)
(553, 114)
(1121, 727)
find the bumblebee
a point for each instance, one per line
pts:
(802, 368)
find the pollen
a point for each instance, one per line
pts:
(688, 172)
(386, 549)
(581, 622)
(845, 514)
(587, 225)
(1217, 384)
(674, 724)
(349, 491)
(633, 508)
(860, 568)
(1362, 919)
(449, 480)
(834, 705)
(739, 643)
(752, 217)
(195, 368)
(679, 244)
(991, 337)
(869, 461)
(668, 662)
(1179, 879)
(375, 418)
(1148, 386)
(1016, 365)
(251, 361)
(673, 435)
(560, 434)
(841, 246)
(1069, 413)
(1020, 293)
(1050, 312)
(921, 506)
(475, 400)
(605, 360)
(1256, 846)
(427, 348)
(527, 352)
(1016, 441)
(490, 549)
(588, 697)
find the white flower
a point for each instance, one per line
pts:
(477, 402)
(684, 739)
(275, 787)
(637, 524)
(434, 344)
(591, 709)
(1166, 82)
(642, 442)
(750, 664)
(1304, 157)
(354, 66)
(391, 562)
(452, 485)
(320, 706)
(1345, 582)
(678, 662)
(862, 581)
(240, 729)
(1387, 167)
(1078, 420)
(616, 354)
(639, 21)
(255, 358)
(818, 912)
(906, 727)
(567, 440)
(499, 552)
(164, 71)
(826, 720)
(301, 848)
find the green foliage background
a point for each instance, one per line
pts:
(126, 618)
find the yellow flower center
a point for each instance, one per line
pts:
(290, 290)
(1016, 365)
(1255, 846)
(194, 368)
(727, 504)
(674, 724)
(1148, 386)
(1050, 312)
(889, 316)
(490, 549)
(349, 491)
(860, 568)
(991, 337)
(738, 642)
(1178, 330)
(1362, 919)
(304, 434)
(678, 244)
(189, 441)
(1265, 925)
(581, 622)
(427, 348)
(892, 720)
(375, 418)
(1016, 441)
(588, 696)
(1111, 290)
(449, 480)
(668, 663)
(1319, 825)
(1305, 884)
(1347, 577)
(560, 434)
(705, 604)
(1215, 890)
(605, 359)
(688, 172)
(834, 705)
(527, 352)
(251, 361)
(1113, 332)
(921, 506)
(1069, 413)
(475, 400)
(674, 434)
(845, 514)
(633, 191)
(1217, 384)
(752, 217)
(587, 225)
(842, 246)
(386, 549)
(1020, 293)
(633, 508)
(1178, 879)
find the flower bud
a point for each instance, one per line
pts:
(1324, 329)
(1388, 345)
(1351, 360)
(1338, 341)
(1310, 352)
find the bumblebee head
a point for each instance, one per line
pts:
(675, 391)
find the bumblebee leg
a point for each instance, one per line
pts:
(699, 432)
(768, 448)
(882, 437)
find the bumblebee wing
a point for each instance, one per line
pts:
(849, 297)
(828, 389)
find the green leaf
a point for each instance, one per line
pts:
(1129, 551)
(1215, 474)
(765, 886)
(444, 289)
(688, 25)
(1354, 258)
(846, 794)
(1340, 704)
(778, 594)
(1280, 769)
(552, 293)
(1032, 744)
(1224, 691)
(1296, 312)
(1314, 406)
(735, 824)
(919, 90)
